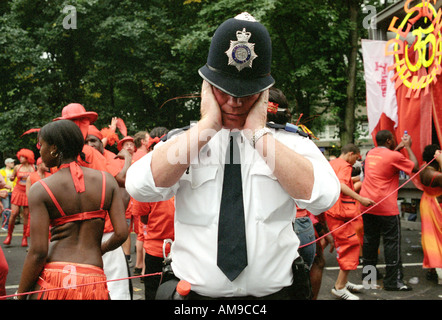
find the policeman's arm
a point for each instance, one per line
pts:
(285, 162)
(170, 160)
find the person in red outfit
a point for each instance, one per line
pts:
(141, 139)
(127, 145)
(75, 199)
(4, 268)
(381, 182)
(41, 173)
(19, 198)
(431, 212)
(82, 118)
(157, 224)
(339, 218)
(115, 266)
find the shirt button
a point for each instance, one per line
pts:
(239, 290)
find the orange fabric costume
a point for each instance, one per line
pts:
(72, 281)
(431, 221)
(338, 216)
(160, 224)
(383, 180)
(18, 196)
(34, 176)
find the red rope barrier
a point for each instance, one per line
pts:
(78, 285)
(323, 236)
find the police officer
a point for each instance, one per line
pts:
(236, 182)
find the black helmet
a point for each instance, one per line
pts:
(240, 57)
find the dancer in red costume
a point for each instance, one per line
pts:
(431, 212)
(41, 173)
(19, 198)
(156, 223)
(82, 118)
(4, 268)
(115, 265)
(76, 199)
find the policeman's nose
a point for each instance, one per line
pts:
(234, 102)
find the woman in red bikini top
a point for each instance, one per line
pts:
(74, 199)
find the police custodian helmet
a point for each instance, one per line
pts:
(239, 57)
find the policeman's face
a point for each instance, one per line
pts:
(234, 110)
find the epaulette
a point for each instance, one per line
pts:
(288, 127)
(173, 132)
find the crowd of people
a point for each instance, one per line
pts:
(246, 202)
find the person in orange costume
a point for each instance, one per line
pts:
(119, 290)
(114, 262)
(19, 198)
(117, 164)
(77, 198)
(41, 173)
(339, 218)
(431, 212)
(157, 224)
(141, 139)
(4, 268)
(127, 145)
(82, 118)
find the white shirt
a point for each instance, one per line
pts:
(272, 244)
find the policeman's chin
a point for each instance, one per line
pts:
(231, 122)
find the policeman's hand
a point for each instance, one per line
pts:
(210, 109)
(257, 117)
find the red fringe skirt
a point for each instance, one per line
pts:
(18, 196)
(72, 281)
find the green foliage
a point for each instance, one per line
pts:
(138, 59)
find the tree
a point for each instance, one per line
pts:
(139, 60)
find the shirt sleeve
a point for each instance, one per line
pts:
(141, 208)
(402, 163)
(140, 184)
(326, 187)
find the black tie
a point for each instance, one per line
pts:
(232, 251)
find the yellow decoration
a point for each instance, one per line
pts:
(424, 38)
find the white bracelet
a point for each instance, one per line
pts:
(259, 134)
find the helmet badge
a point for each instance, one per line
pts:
(241, 52)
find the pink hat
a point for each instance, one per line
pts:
(76, 111)
(95, 132)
